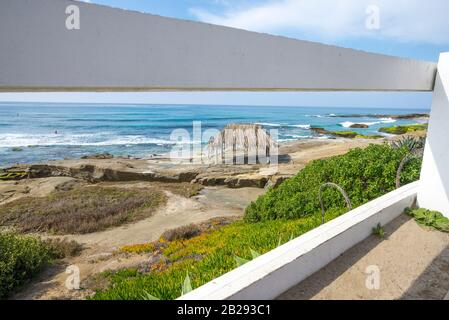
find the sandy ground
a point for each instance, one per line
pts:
(179, 211)
(413, 263)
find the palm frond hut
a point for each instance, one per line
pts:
(251, 139)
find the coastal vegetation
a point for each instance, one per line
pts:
(5, 176)
(280, 215)
(353, 135)
(433, 219)
(24, 256)
(21, 257)
(81, 210)
(204, 257)
(398, 130)
(409, 143)
(365, 174)
(344, 134)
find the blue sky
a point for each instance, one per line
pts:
(409, 28)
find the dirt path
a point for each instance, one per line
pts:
(100, 246)
(178, 212)
(413, 262)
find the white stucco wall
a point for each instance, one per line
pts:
(122, 50)
(434, 189)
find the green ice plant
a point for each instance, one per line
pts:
(254, 254)
(148, 296)
(241, 261)
(429, 218)
(185, 288)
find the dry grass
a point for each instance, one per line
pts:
(62, 248)
(81, 210)
(184, 232)
(183, 189)
(181, 233)
(193, 230)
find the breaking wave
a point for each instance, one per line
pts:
(349, 124)
(23, 140)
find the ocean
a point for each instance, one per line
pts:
(38, 132)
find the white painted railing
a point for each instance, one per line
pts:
(118, 50)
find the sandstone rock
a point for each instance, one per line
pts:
(99, 156)
(319, 130)
(359, 126)
(275, 181)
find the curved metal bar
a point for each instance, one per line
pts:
(335, 186)
(414, 154)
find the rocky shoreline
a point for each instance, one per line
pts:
(96, 169)
(410, 116)
(293, 156)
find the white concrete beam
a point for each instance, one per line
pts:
(118, 50)
(434, 188)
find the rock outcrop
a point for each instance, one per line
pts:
(359, 126)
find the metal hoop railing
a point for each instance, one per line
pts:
(410, 156)
(340, 189)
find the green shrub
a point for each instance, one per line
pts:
(365, 174)
(345, 134)
(184, 232)
(429, 218)
(21, 257)
(353, 135)
(63, 248)
(410, 143)
(404, 129)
